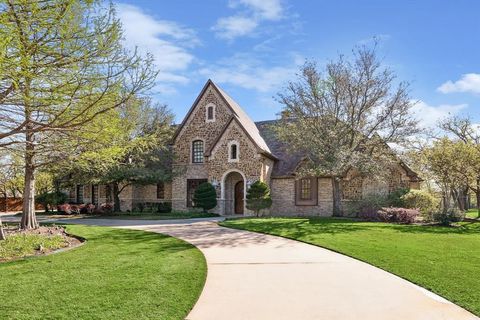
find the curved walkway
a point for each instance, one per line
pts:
(258, 277)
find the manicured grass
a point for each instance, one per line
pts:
(116, 274)
(153, 216)
(445, 260)
(20, 245)
(472, 214)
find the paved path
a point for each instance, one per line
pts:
(260, 277)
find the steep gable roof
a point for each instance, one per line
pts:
(243, 119)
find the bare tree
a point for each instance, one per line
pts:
(343, 116)
(62, 66)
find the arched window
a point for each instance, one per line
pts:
(233, 151)
(210, 113)
(197, 151)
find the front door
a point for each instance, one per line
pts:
(239, 197)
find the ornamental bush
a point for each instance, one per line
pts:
(422, 200)
(205, 197)
(448, 216)
(391, 214)
(258, 197)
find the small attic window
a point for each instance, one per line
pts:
(210, 113)
(233, 151)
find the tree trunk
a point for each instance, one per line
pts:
(477, 193)
(2, 234)
(116, 198)
(337, 197)
(29, 219)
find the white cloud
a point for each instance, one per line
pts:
(265, 9)
(429, 116)
(469, 82)
(249, 73)
(167, 41)
(234, 26)
(252, 13)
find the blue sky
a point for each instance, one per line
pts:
(251, 48)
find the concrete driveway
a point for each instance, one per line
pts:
(259, 277)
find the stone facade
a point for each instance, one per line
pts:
(255, 160)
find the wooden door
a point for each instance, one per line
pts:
(239, 197)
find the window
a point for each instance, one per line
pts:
(305, 189)
(95, 194)
(192, 185)
(210, 113)
(79, 193)
(197, 151)
(233, 152)
(306, 192)
(160, 190)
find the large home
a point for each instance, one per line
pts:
(219, 143)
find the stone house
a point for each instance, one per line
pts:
(218, 142)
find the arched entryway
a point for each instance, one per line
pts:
(233, 193)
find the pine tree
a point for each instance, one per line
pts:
(258, 197)
(205, 197)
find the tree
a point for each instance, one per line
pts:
(446, 159)
(62, 66)
(205, 197)
(135, 150)
(258, 197)
(468, 133)
(344, 116)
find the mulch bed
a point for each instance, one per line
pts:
(69, 241)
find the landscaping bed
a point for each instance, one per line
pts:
(116, 274)
(442, 259)
(24, 243)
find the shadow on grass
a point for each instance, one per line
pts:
(342, 225)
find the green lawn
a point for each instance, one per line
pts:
(117, 274)
(472, 214)
(445, 260)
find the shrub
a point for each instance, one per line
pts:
(258, 197)
(164, 207)
(449, 216)
(422, 200)
(399, 215)
(367, 207)
(391, 214)
(106, 207)
(395, 198)
(205, 197)
(65, 208)
(51, 199)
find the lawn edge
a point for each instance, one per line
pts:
(358, 259)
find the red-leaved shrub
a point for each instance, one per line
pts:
(390, 214)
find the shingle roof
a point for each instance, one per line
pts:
(245, 120)
(287, 161)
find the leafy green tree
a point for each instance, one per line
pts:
(51, 199)
(205, 197)
(134, 152)
(62, 66)
(258, 197)
(342, 117)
